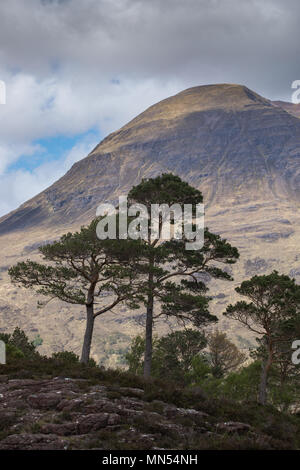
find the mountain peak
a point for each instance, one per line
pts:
(225, 139)
(182, 108)
(224, 95)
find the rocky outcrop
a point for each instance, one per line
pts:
(63, 413)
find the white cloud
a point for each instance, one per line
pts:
(37, 109)
(21, 185)
(73, 65)
(9, 153)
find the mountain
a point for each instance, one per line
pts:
(240, 149)
(226, 139)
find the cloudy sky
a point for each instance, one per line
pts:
(76, 70)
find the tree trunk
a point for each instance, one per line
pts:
(262, 399)
(148, 343)
(86, 348)
(149, 322)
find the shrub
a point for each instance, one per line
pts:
(66, 356)
(18, 345)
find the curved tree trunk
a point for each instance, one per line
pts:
(86, 348)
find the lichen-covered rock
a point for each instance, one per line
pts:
(233, 427)
(73, 414)
(65, 429)
(93, 422)
(45, 400)
(33, 442)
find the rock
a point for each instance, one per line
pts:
(22, 383)
(33, 442)
(100, 406)
(93, 422)
(171, 412)
(53, 416)
(7, 418)
(98, 389)
(70, 405)
(255, 266)
(294, 272)
(134, 392)
(233, 427)
(44, 400)
(20, 404)
(65, 429)
(132, 403)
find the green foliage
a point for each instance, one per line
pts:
(18, 345)
(20, 340)
(240, 386)
(134, 357)
(171, 275)
(80, 262)
(243, 384)
(92, 362)
(69, 357)
(273, 314)
(37, 341)
(165, 189)
(173, 354)
(13, 353)
(171, 285)
(180, 356)
(84, 270)
(224, 356)
(200, 370)
(66, 356)
(274, 298)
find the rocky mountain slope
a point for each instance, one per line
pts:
(291, 108)
(240, 149)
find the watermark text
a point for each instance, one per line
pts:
(2, 92)
(159, 222)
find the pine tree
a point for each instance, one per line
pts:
(275, 300)
(172, 284)
(83, 270)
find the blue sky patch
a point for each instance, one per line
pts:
(51, 149)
